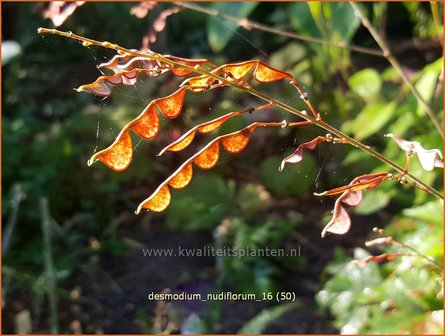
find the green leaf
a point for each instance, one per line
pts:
(372, 118)
(302, 20)
(431, 212)
(426, 86)
(344, 21)
(220, 31)
(372, 201)
(259, 322)
(366, 83)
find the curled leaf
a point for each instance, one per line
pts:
(180, 143)
(59, 11)
(237, 141)
(340, 221)
(118, 155)
(102, 85)
(297, 156)
(368, 182)
(208, 126)
(238, 70)
(157, 202)
(267, 74)
(146, 125)
(158, 25)
(199, 83)
(215, 123)
(351, 195)
(171, 105)
(181, 72)
(428, 158)
(182, 178)
(208, 158)
(380, 258)
(141, 10)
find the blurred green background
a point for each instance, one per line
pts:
(72, 246)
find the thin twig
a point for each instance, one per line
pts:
(19, 195)
(396, 65)
(249, 24)
(50, 273)
(248, 89)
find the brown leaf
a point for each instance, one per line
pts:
(239, 70)
(59, 11)
(237, 141)
(208, 158)
(118, 155)
(379, 258)
(208, 126)
(180, 143)
(146, 125)
(199, 83)
(215, 123)
(266, 74)
(142, 9)
(297, 156)
(428, 158)
(340, 222)
(157, 202)
(171, 105)
(363, 182)
(158, 26)
(181, 72)
(182, 178)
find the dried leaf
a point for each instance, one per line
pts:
(215, 123)
(266, 74)
(158, 26)
(98, 88)
(239, 70)
(297, 156)
(157, 202)
(428, 158)
(171, 105)
(102, 85)
(199, 83)
(368, 182)
(118, 155)
(180, 143)
(146, 125)
(340, 222)
(142, 9)
(182, 178)
(59, 11)
(115, 62)
(237, 141)
(180, 72)
(208, 126)
(379, 258)
(351, 198)
(208, 158)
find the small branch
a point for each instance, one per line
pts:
(50, 273)
(248, 25)
(396, 65)
(248, 89)
(19, 195)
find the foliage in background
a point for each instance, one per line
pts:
(50, 138)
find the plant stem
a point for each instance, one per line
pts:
(248, 24)
(19, 195)
(396, 65)
(253, 92)
(50, 273)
